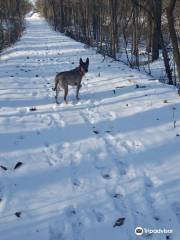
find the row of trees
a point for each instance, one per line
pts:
(12, 13)
(135, 31)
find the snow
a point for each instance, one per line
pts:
(113, 154)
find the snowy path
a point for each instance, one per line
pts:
(114, 154)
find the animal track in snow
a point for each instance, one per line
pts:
(34, 94)
(76, 182)
(3, 196)
(98, 215)
(58, 119)
(122, 167)
(133, 145)
(74, 218)
(176, 209)
(51, 155)
(19, 139)
(99, 164)
(58, 231)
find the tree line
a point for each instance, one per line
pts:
(12, 14)
(135, 31)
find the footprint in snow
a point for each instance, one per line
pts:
(18, 140)
(176, 209)
(38, 132)
(122, 168)
(21, 137)
(46, 144)
(22, 111)
(34, 94)
(98, 215)
(132, 146)
(76, 221)
(50, 161)
(50, 155)
(148, 182)
(3, 195)
(76, 182)
(57, 231)
(71, 211)
(1, 191)
(119, 202)
(100, 164)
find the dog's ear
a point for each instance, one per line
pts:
(80, 61)
(87, 61)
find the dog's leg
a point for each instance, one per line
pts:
(65, 94)
(77, 91)
(57, 93)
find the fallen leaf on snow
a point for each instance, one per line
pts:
(119, 222)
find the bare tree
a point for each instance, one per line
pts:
(119, 28)
(170, 16)
(12, 13)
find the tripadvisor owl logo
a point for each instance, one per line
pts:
(139, 231)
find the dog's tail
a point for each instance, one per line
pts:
(56, 83)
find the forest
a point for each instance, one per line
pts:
(137, 32)
(12, 14)
(89, 119)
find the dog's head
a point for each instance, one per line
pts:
(84, 65)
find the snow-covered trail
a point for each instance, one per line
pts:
(114, 154)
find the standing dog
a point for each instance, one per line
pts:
(72, 78)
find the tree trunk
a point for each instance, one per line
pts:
(157, 9)
(173, 36)
(149, 34)
(166, 60)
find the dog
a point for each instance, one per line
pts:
(72, 78)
